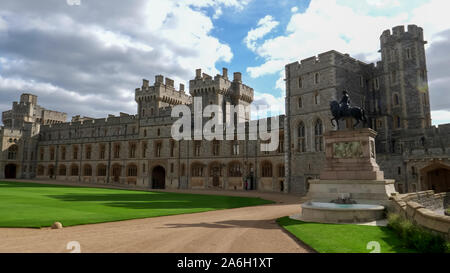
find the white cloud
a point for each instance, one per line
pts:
(100, 54)
(327, 25)
(383, 3)
(265, 26)
(294, 9)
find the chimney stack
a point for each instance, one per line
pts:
(225, 73)
(198, 74)
(237, 77)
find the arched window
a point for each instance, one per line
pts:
(301, 138)
(74, 170)
(87, 171)
(116, 150)
(12, 152)
(235, 169)
(62, 170)
(197, 170)
(300, 103)
(101, 170)
(300, 82)
(132, 170)
(316, 78)
(318, 130)
(266, 169)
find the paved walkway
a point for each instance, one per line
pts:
(251, 229)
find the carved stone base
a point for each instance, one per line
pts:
(350, 154)
(362, 191)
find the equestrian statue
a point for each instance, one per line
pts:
(341, 110)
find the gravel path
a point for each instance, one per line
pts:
(241, 230)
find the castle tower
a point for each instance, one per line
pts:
(404, 73)
(152, 100)
(222, 91)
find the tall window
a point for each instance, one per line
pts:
(235, 148)
(234, 170)
(41, 154)
(87, 170)
(397, 122)
(101, 170)
(197, 148)
(63, 153)
(88, 152)
(408, 53)
(74, 170)
(281, 144)
(216, 148)
(102, 151)
(394, 77)
(376, 84)
(132, 151)
(318, 130)
(197, 170)
(62, 170)
(12, 152)
(132, 170)
(301, 138)
(316, 78)
(172, 148)
(266, 169)
(300, 103)
(75, 152)
(317, 98)
(281, 171)
(144, 150)
(52, 153)
(300, 82)
(116, 150)
(158, 148)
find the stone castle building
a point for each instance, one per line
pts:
(139, 150)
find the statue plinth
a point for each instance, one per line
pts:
(351, 168)
(350, 154)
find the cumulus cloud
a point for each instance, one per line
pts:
(355, 29)
(88, 59)
(265, 26)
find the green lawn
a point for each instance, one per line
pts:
(38, 205)
(330, 238)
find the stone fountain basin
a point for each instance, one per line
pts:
(337, 213)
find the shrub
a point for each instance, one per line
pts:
(417, 237)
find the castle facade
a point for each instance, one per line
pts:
(139, 151)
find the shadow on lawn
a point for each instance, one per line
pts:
(150, 200)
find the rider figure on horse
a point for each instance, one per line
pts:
(345, 104)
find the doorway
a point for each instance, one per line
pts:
(11, 171)
(158, 178)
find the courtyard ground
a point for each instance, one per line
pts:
(239, 230)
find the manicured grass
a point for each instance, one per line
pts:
(38, 205)
(330, 238)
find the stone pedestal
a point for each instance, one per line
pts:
(351, 168)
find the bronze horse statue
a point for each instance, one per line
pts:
(355, 112)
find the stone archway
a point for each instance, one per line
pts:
(158, 178)
(436, 177)
(11, 171)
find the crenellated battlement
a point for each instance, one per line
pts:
(399, 32)
(164, 91)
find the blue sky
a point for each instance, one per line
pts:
(87, 59)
